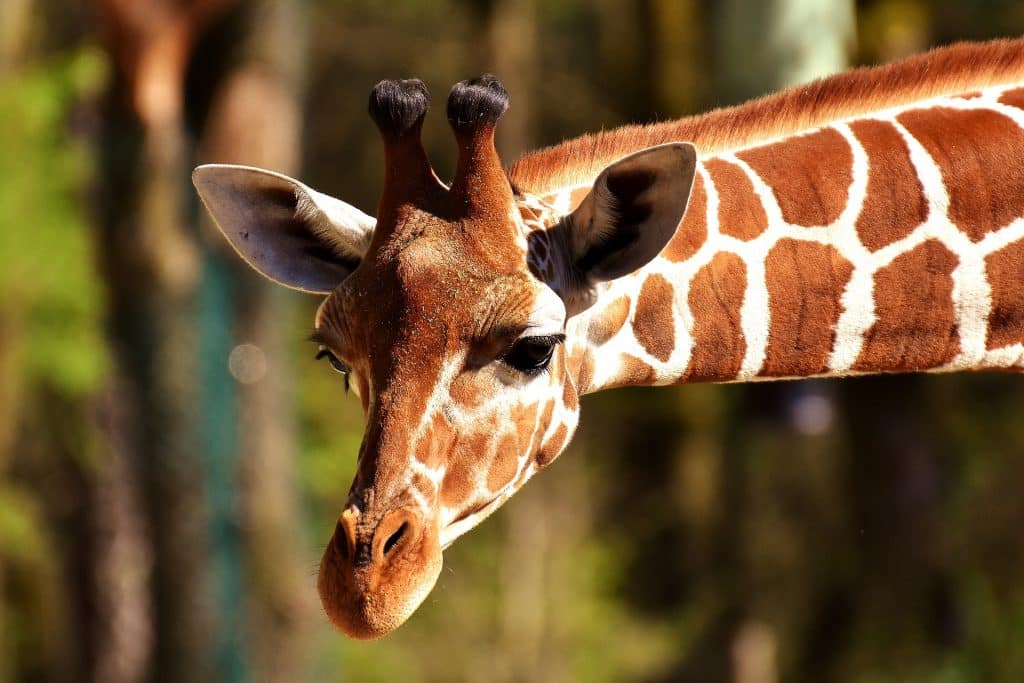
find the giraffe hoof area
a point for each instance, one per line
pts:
(371, 580)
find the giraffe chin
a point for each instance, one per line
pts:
(371, 600)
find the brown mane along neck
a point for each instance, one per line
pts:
(951, 70)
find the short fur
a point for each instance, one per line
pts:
(944, 71)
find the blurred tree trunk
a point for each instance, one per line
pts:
(625, 41)
(119, 628)
(10, 389)
(675, 57)
(254, 118)
(764, 46)
(79, 565)
(178, 302)
(650, 57)
(14, 24)
(151, 263)
(14, 20)
(896, 487)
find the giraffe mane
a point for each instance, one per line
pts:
(950, 70)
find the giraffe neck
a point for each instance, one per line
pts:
(892, 242)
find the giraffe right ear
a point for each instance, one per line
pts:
(631, 213)
(286, 231)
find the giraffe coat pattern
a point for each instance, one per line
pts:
(908, 209)
(871, 222)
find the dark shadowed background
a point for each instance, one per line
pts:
(172, 459)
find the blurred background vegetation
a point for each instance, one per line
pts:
(172, 459)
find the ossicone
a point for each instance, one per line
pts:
(480, 186)
(476, 103)
(398, 107)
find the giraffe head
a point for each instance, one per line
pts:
(447, 313)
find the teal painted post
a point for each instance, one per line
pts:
(218, 431)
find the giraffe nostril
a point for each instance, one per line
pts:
(394, 538)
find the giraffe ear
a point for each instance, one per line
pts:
(286, 231)
(631, 213)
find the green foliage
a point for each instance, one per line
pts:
(47, 271)
(21, 528)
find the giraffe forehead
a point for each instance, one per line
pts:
(457, 253)
(433, 298)
(465, 289)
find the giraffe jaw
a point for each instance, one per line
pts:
(464, 524)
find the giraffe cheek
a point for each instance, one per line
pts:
(553, 446)
(460, 478)
(505, 465)
(570, 399)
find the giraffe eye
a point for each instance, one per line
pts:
(335, 363)
(333, 360)
(531, 355)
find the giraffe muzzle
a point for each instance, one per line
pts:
(374, 575)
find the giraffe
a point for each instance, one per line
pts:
(871, 222)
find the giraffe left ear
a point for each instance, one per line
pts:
(631, 213)
(286, 231)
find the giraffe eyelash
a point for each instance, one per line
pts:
(532, 355)
(553, 339)
(336, 363)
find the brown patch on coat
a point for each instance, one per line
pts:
(652, 323)
(552, 447)
(609, 321)
(895, 203)
(974, 94)
(545, 417)
(740, 213)
(422, 483)
(915, 327)
(633, 372)
(692, 232)
(576, 196)
(810, 175)
(465, 392)
(805, 282)
(585, 374)
(1014, 98)
(1005, 269)
(437, 444)
(459, 482)
(979, 154)
(505, 463)
(569, 398)
(716, 296)
(524, 417)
